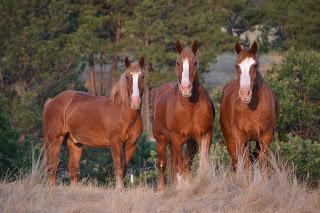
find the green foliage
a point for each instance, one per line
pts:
(298, 20)
(296, 83)
(303, 155)
(215, 96)
(9, 148)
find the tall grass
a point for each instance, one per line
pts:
(216, 190)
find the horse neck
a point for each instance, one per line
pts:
(256, 92)
(257, 85)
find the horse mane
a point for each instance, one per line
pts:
(120, 89)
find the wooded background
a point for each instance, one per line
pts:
(49, 46)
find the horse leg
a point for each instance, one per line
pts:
(129, 151)
(116, 152)
(176, 144)
(131, 144)
(231, 147)
(162, 142)
(75, 152)
(243, 154)
(205, 142)
(265, 142)
(191, 151)
(52, 152)
(238, 150)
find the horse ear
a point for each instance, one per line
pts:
(141, 61)
(238, 48)
(254, 48)
(195, 46)
(127, 62)
(179, 46)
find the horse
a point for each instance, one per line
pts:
(183, 113)
(249, 111)
(78, 118)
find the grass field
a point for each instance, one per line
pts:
(217, 190)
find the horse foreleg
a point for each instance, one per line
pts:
(75, 152)
(52, 152)
(129, 149)
(116, 152)
(265, 142)
(205, 142)
(162, 159)
(176, 144)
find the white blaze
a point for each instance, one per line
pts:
(245, 66)
(185, 71)
(135, 87)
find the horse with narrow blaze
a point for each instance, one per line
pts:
(249, 110)
(183, 113)
(106, 121)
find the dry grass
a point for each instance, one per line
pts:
(218, 190)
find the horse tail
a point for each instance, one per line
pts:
(172, 165)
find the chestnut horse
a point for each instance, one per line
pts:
(82, 119)
(249, 111)
(183, 113)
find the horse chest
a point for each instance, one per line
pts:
(251, 123)
(191, 122)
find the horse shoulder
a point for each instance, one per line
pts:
(207, 102)
(161, 90)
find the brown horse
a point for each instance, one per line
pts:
(183, 113)
(249, 111)
(82, 119)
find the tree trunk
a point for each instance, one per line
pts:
(101, 79)
(146, 97)
(92, 77)
(1, 79)
(114, 64)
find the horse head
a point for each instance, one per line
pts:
(187, 68)
(134, 76)
(246, 66)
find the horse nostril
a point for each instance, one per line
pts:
(245, 92)
(135, 100)
(186, 85)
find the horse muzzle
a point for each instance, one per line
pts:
(186, 89)
(245, 95)
(135, 102)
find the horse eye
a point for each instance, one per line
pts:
(178, 63)
(255, 66)
(237, 66)
(195, 63)
(142, 76)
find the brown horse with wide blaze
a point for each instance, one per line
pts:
(82, 119)
(183, 113)
(249, 111)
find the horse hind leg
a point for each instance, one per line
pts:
(75, 152)
(52, 152)
(191, 151)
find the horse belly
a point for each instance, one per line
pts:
(87, 135)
